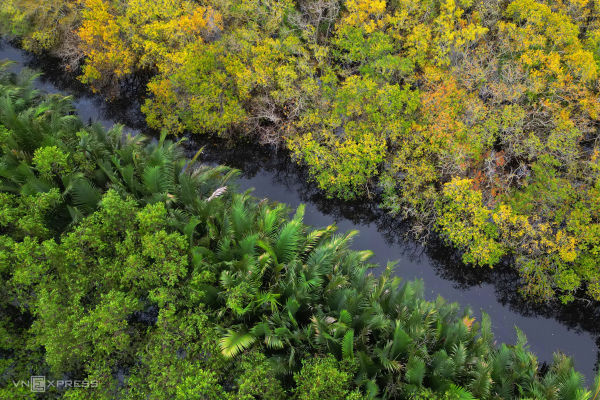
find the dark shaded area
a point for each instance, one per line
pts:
(573, 329)
(147, 316)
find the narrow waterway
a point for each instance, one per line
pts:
(573, 330)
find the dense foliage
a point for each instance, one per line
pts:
(130, 266)
(478, 119)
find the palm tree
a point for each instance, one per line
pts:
(296, 292)
(150, 171)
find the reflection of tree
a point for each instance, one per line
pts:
(124, 109)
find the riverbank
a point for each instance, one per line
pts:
(573, 329)
(146, 274)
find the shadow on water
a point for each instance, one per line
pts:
(572, 329)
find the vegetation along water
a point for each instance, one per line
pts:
(128, 266)
(477, 121)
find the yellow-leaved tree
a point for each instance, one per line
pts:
(122, 37)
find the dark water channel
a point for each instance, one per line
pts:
(573, 330)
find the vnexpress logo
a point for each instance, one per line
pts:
(39, 384)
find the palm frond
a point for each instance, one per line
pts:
(348, 345)
(234, 342)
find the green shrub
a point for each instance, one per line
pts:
(321, 378)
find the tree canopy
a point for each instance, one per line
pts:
(476, 119)
(146, 274)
